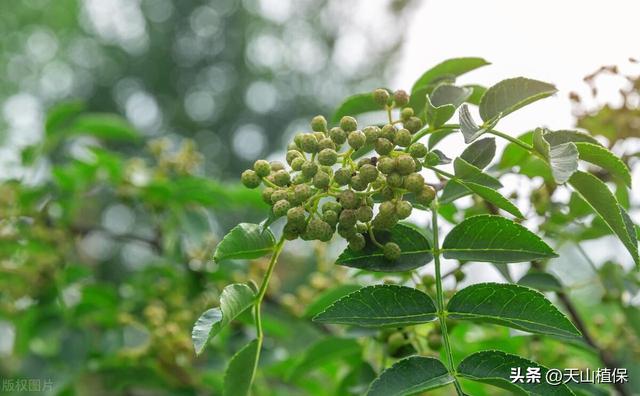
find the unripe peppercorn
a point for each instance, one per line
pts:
(413, 124)
(276, 166)
(405, 164)
(384, 222)
(309, 169)
(401, 98)
(428, 280)
(371, 133)
(356, 242)
(391, 251)
(318, 123)
(381, 97)
(383, 146)
(368, 173)
(418, 150)
(348, 124)
(364, 214)
(293, 146)
(403, 209)
(327, 157)
(414, 182)
(262, 168)
(330, 217)
(346, 232)
(394, 180)
(358, 184)
(386, 165)
(297, 139)
(348, 199)
(293, 154)
(281, 207)
(250, 179)
(387, 208)
(426, 195)
(321, 180)
(333, 206)
(402, 138)
(388, 132)
(300, 179)
(266, 194)
(296, 216)
(361, 228)
(282, 178)
(348, 218)
(290, 232)
(309, 143)
(362, 162)
(319, 136)
(338, 135)
(278, 195)
(406, 113)
(302, 192)
(356, 139)
(326, 143)
(459, 275)
(297, 163)
(342, 176)
(386, 193)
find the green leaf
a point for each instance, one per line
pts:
(381, 306)
(447, 70)
(241, 370)
(602, 157)
(60, 115)
(103, 126)
(513, 154)
(327, 350)
(565, 136)
(356, 104)
(477, 94)
(513, 306)
(494, 368)
(494, 197)
(235, 299)
(562, 158)
(494, 238)
(470, 130)
(600, 198)
(416, 251)
(410, 376)
(467, 173)
(480, 153)
(442, 103)
(542, 281)
(245, 241)
(437, 157)
(509, 95)
(328, 297)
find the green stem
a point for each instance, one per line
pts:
(513, 140)
(441, 172)
(259, 297)
(587, 258)
(442, 315)
(427, 131)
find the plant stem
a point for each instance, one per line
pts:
(441, 172)
(513, 140)
(440, 297)
(427, 131)
(259, 297)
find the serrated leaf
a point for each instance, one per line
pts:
(327, 350)
(235, 299)
(542, 281)
(416, 251)
(600, 198)
(494, 368)
(480, 153)
(356, 104)
(510, 95)
(491, 238)
(328, 297)
(449, 69)
(381, 306)
(513, 306)
(410, 376)
(565, 136)
(442, 103)
(562, 158)
(245, 241)
(241, 370)
(602, 157)
(494, 197)
(467, 173)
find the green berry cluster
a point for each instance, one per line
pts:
(325, 190)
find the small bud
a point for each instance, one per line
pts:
(319, 124)
(402, 138)
(364, 214)
(403, 209)
(266, 194)
(338, 135)
(297, 163)
(401, 98)
(386, 165)
(405, 164)
(383, 146)
(406, 113)
(327, 157)
(293, 154)
(348, 218)
(262, 168)
(321, 180)
(281, 208)
(278, 195)
(388, 132)
(282, 178)
(326, 143)
(309, 169)
(368, 173)
(413, 124)
(348, 124)
(426, 195)
(309, 143)
(418, 150)
(395, 180)
(250, 179)
(342, 176)
(414, 182)
(381, 97)
(357, 242)
(371, 133)
(358, 184)
(276, 166)
(348, 199)
(356, 139)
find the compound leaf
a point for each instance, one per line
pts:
(410, 376)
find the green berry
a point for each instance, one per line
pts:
(309, 143)
(309, 169)
(293, 154)
(386, 165)
(413, 124)
(426, 195)
(297, 139)
(384, 222)
(321, 180)
(349, 199)
(318, 229)
(361, 228)
(381, 97)
(250, 179)
(388, 132)
(402, 138)
(394, 180)
(326, 143)
(459, 275)
(278, 195)
(327, 157)
(358, 183)
(403, 209)
(276, 166)
(371, 133)
(346, 232)
(262, 168)
(356, 242)
(348, 124)
(386, 193)
(297, 163)
(266, 194)
(387, 208)
(296, 216)
(331, 205)
(293, 146)
(405, 164)
(383, 146)
(330, 217)
(368, 173)
(338, 135)
(281, 208)
(414, 182)
(364, 214)
(319, 124)
(391, 251)
(363, 161)
(401, 98)
(302, 192)
(281, 178)
(418, 150)
(406, 113)
(428, 280)
(348, 218)
(290, 232)
(356, 139)
(300, 179)
(342, 176)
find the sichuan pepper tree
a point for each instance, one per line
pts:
(361, 181)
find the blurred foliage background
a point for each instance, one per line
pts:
(124, 127)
